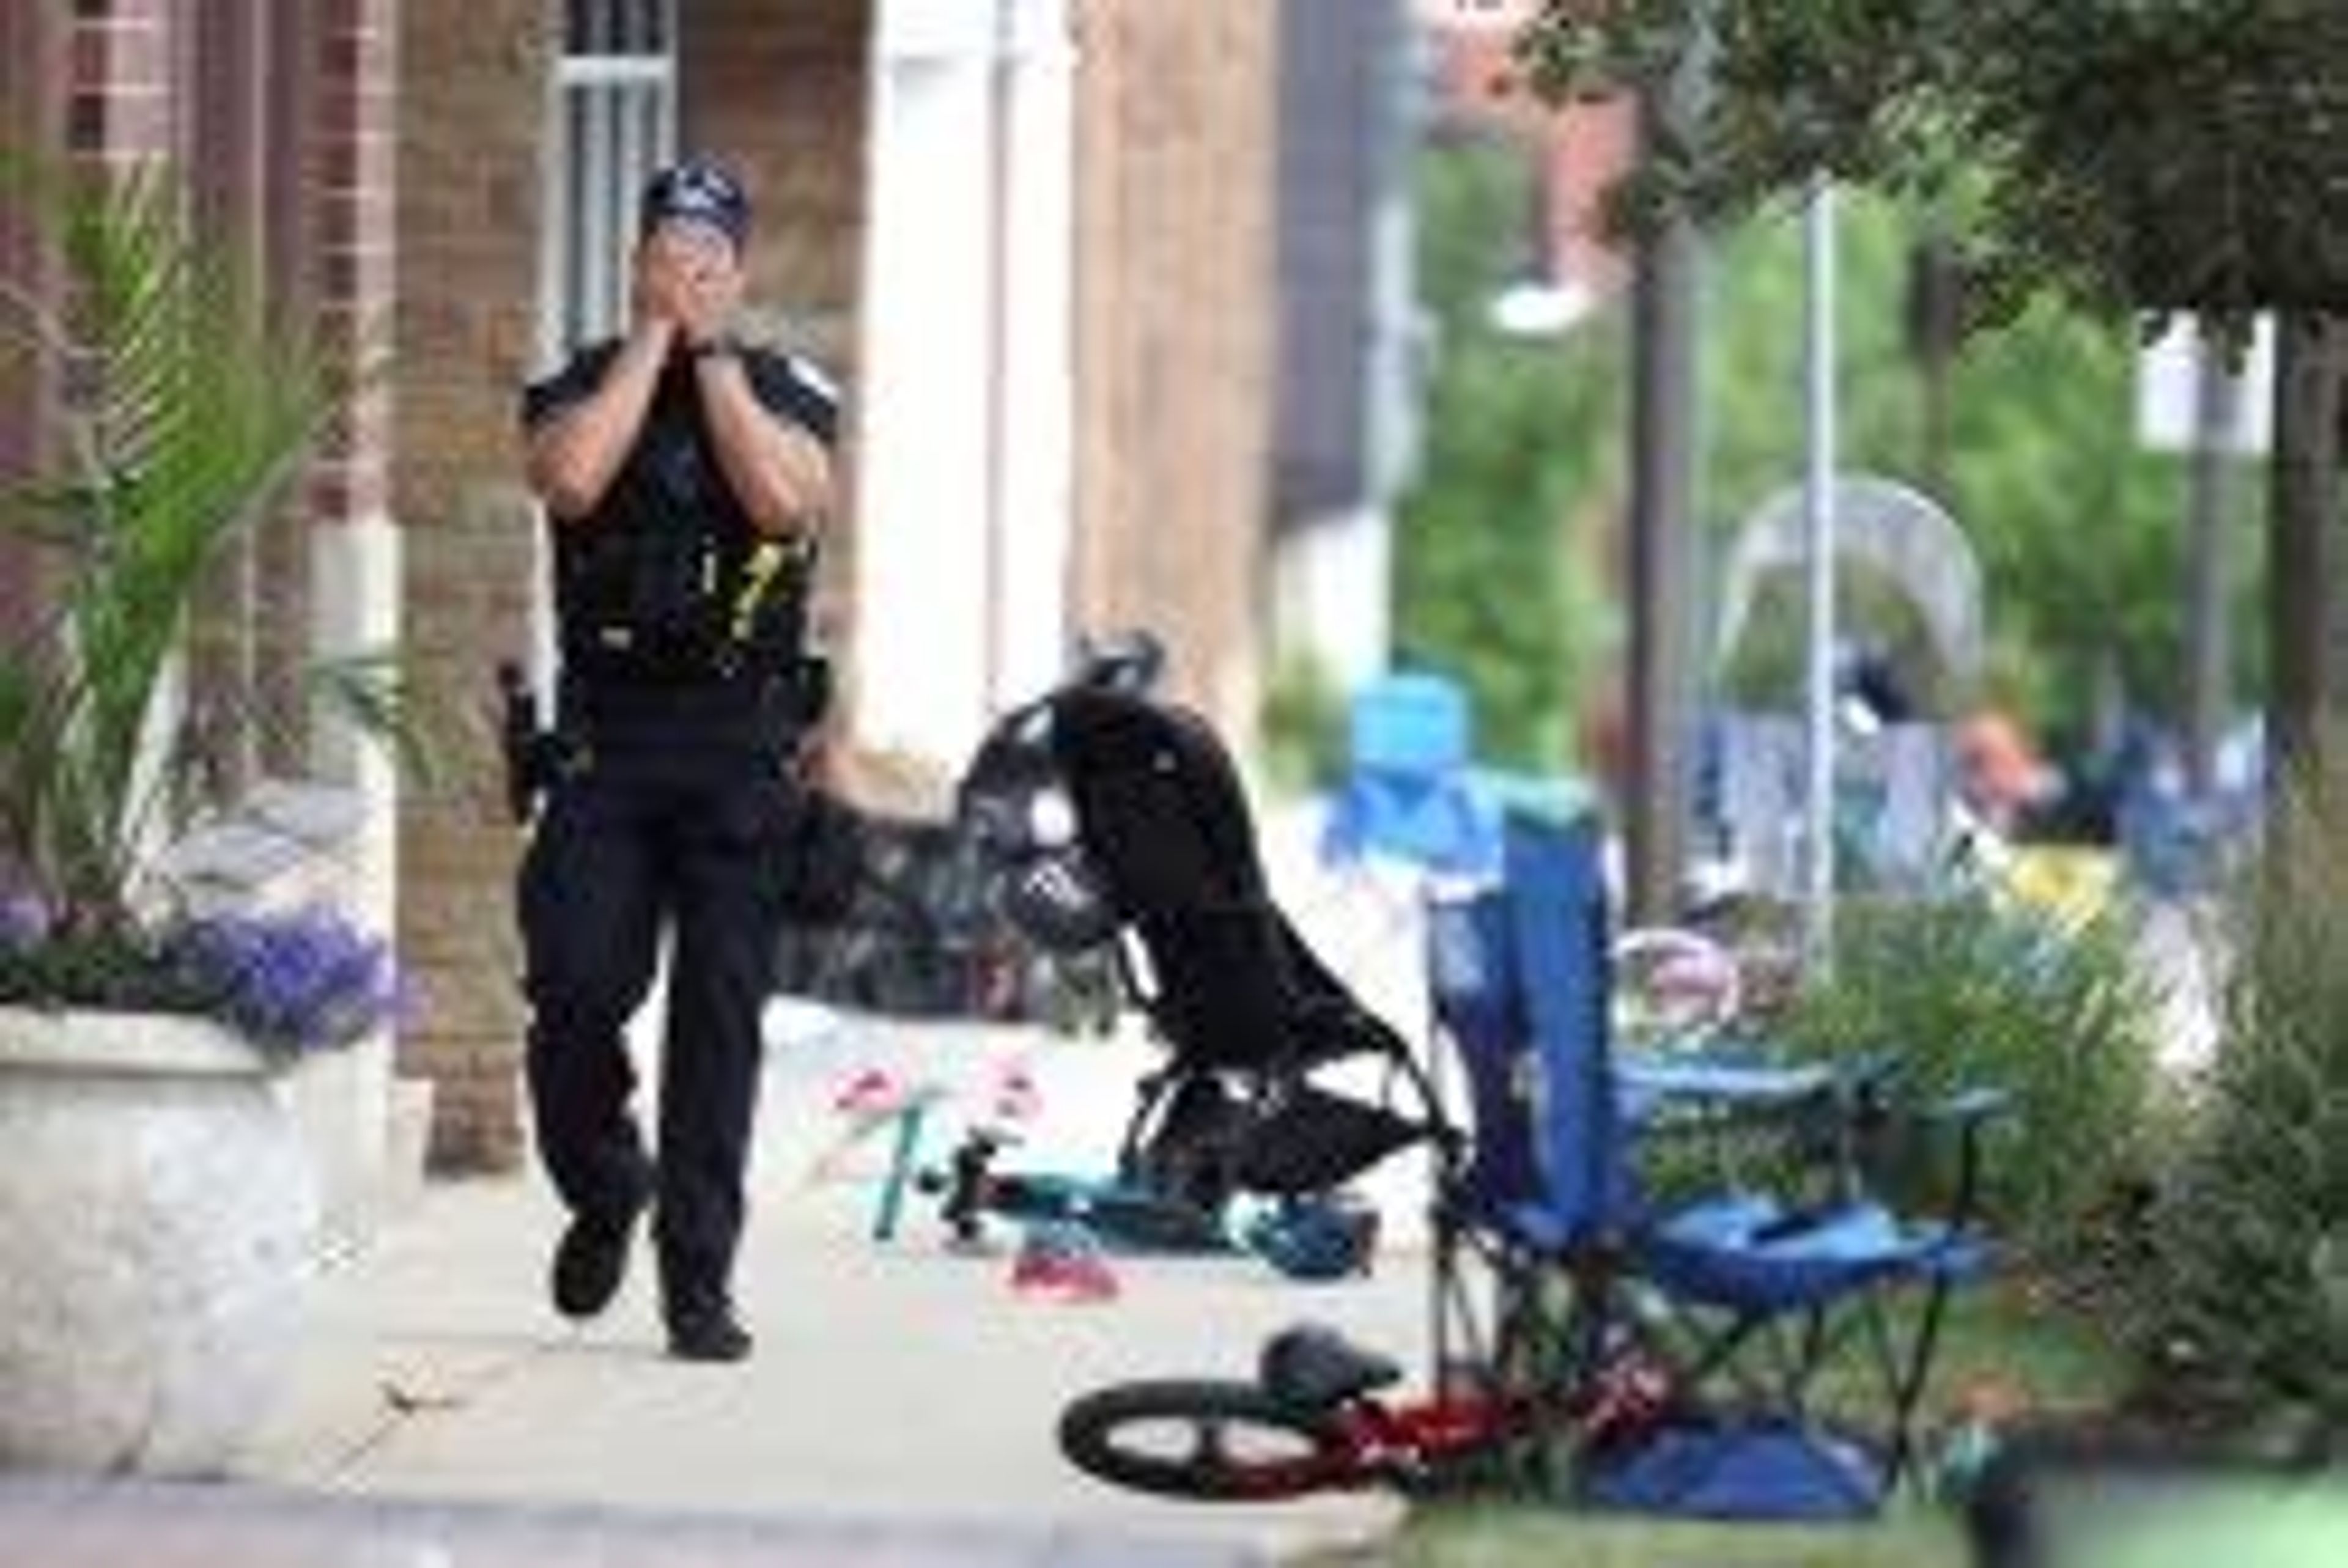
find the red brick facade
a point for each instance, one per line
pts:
(472, 114)
(119, 103)
(354, 186)
(1175, 166)
(32, 57)
(780, 92)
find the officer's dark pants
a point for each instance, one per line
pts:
(669, 827)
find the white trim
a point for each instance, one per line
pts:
(603, 70)
(965, 435)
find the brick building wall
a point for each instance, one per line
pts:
(34, 52)
(1176, 287)
(780, 92)
(353, 49)
(472, 116)
(321, 215)
(119, 103)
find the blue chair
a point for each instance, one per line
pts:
(1780, 1335)
(1408, 792)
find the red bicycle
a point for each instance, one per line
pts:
(1312, 1421)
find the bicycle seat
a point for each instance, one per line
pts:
(1310, 1367)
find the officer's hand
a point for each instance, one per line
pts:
(661, 289)
(712, 290)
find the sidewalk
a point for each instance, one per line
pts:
(900, 1406)
(100, 1524)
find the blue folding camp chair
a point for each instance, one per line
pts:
(1792, 1327)
(1408, 793)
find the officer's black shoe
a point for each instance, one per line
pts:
(707, 1334)
(590, 1261)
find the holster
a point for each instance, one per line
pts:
(798, 697)
(530, 751)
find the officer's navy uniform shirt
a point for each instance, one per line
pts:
(643, 584)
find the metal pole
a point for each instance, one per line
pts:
(2303, 494)
(1664, 475)
(1818, 543)
(2208, 563)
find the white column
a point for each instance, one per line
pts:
(966, 440)
(343, 1100)
(923, 478)
(1035, 501)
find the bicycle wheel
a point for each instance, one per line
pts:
(1206, 1441)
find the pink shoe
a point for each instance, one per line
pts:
(1063, 1263)
(1016, 1097)
(872, 1093)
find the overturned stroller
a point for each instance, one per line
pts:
(1116, 821)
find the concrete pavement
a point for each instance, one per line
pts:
(100, 1524)
(899, 1408)
(902, 1397)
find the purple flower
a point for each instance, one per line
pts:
(296, 983)
(24, 922)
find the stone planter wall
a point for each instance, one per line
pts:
(156, 1226)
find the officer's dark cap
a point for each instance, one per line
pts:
(696, 191)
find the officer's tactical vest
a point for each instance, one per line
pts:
(668, 582)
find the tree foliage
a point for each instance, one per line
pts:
(2042, 454)
(1521, 457)
(1499, 570)
(2135, 153)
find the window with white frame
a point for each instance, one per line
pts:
(612, 122)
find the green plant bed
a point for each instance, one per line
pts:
(2007, 1358)
(1972, 992)
(2004, 1337)
(2248, 1322)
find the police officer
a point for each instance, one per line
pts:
(683, 475)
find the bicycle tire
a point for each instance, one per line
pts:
(1104, 1434)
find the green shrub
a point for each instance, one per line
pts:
(2253, 1223)
(1970, 992)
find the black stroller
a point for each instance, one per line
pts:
(1138, 836)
